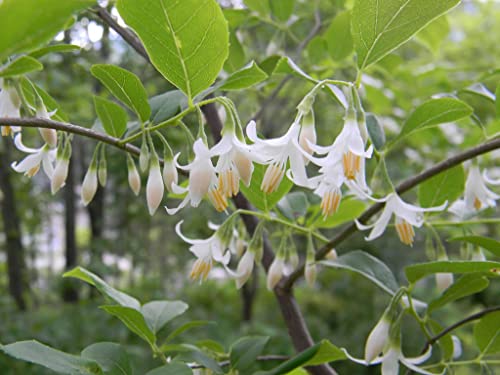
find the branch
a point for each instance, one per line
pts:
(400, 189)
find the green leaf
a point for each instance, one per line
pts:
(497, 101)
(293, 205)
(487, 333)
(367, 266)
(55, 360)
(236, 56)
(185, 327)
(445, 342)
(282, 9)
(445, 186)
(246, 77)
(22, 65)
(348, 210)
(481, 91)
(434, 112)
(260, 6)
(113, 117)
(31, 91)
(417, 271)
(126, 86)
(375, 131)
(193, 354)
(173, 368)
(187, 41)
(244, 352)
(235, 18)
(262, 201)
(134, 321)
(25, 27)
(327, 352)
(166, 105)
(285, 65)
(110, 356)
(463, 287)
(338, 36)
(434, 33)
(54, 48)
(379, 27)
(316, 49)
(490, 244)
(159, 313)
(117, 296)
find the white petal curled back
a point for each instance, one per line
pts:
(376, 340)
(89, 186)
(154, 188)
(275, 273)
(60, 175)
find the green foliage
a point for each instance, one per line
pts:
(110, 356)
(348, 210)
(244, 353)
(134, 321)
(417, 271)
(53, 48)
(245, 77)
(446, 186)
(20, 66)
(367, 266)
(490, 244)
(32, 93)
(28, 27)
(166, 105)
(486, 333)
(375, 131)
(434, 33)
(380, 27)
(159, 313)
(173, 368)
(282, 9)
(113, 117)
(193, 42)
(125, 86)
(293, 205)
(338, 36)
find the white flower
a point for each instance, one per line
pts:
(392, 357)
(134, 180)
(275, 272)
(89, 185)
(60, 174)
(207, 251)
(154, 186)
(170, 174)
(377, 339)
(48, 135)
(235, 163)
(30, 165)
(202, 181)
(406, 215)
(477, 196)
(244, 269)
(10, 105)
(276, 152)
(443, 280)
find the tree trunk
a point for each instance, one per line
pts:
(248, 294)
(15, 252)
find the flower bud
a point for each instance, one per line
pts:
(154, 186)
(60, 174)
(134, 180)
(245, 268)
(275, 272)
(377, 339)
(102, 173)
(144, 156)
(170, 174)
(49, 136)
(89, 185)
(332, 255)
(443, 280)
(457, 347)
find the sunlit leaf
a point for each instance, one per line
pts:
(22, 65)
(134, 321)
(417, 271)
(113, 117)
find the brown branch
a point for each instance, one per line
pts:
(400, 189)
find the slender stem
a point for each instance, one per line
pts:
(444, 223)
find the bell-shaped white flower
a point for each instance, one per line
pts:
(377, 339)
(10, 105)
(202, 181)
(134, 179)
(406, 217)
(170, 174)
(275, 272)
(89, 185)
(154, 186)
(212, 249)
(235, 163)
(477, 196)
(48, 135)
(244, 269)
(30, 165)
(276, 152)
(60, 174)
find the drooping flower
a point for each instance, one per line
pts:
(48, 135)
(202, 181)
(477, 196)
(10, 105)
(154, 186)
(207, 251)
(89, 184)
(275, 271)
(170, 174)
(30, 165)
(134, 180)
(377, 339)
(406, 217)
(275, 153)
(244, 269)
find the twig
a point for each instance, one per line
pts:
(400, 189)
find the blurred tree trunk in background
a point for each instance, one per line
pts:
(248, 293)
(70, 291)
(15, 252)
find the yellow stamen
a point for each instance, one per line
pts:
(272, 178)
(200, 269)
(477, 204)
(229, 183)
(351, 164)
(218, 200)
(6, 131)
(405, 232)
(33, 171)
(330, 202)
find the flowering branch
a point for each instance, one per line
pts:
(400, 189)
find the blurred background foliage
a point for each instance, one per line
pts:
(116, 237)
